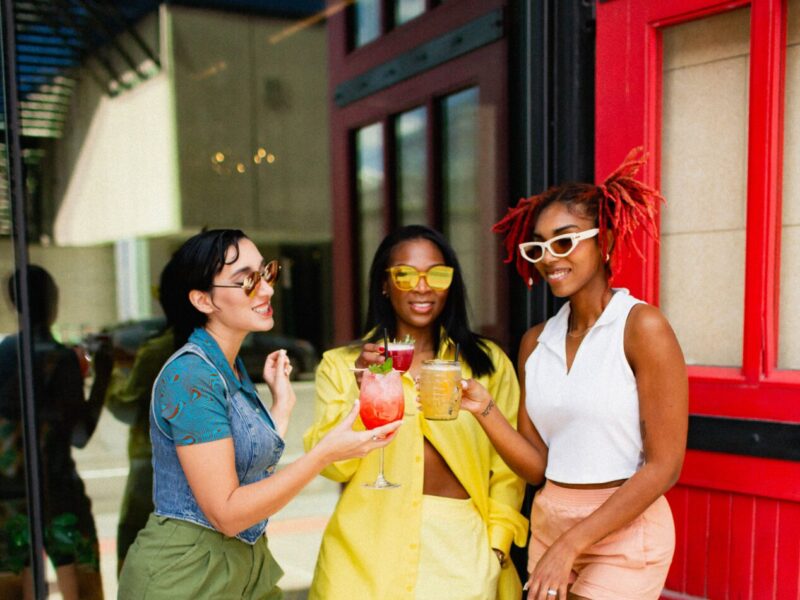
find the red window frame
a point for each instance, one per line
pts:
(628, 114)
(484, 68)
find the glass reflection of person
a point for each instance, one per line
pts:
(215, 444)
(64, 419)
(445, 532)
(128, 399)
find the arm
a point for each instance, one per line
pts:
(522, 449)
(657, 362)
(506, 490)
(211, 472)
(335, 392)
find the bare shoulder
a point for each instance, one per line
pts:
(649, 336)
(646, 321)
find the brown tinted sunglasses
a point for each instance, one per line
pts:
(270, 273)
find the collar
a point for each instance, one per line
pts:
(209, 345)
(555, 331)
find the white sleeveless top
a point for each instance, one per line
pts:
(589, 417)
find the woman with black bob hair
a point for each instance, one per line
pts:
(446, 530)
(215, 444)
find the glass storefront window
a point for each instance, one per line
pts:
(789, 330)
(370, 179)
(704, 180)
(367, 21)
(461, 205)
(411, 161)
(405, 10)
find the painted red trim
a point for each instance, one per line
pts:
(628, 114)
(746, 475)
(763, 176)
(344, 246)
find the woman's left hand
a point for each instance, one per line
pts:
(277, 369)
(552, 573)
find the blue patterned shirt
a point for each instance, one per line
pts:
(192, 407)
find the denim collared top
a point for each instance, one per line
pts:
(192, 388)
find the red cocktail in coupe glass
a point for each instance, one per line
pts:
(402, 354)
(382, 401)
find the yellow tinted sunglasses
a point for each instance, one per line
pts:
(406, 278)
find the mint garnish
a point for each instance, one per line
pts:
(382, 369)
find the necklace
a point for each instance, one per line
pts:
(580, 334)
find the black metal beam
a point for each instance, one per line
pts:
(478, 32)
(13, 130)
(745, 437)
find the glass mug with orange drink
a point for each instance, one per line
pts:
(381, 401)
(440, 389)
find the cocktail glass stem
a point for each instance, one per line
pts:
(381, 481)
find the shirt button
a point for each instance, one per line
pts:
(412, 546)
(418, 458)
(409, 588)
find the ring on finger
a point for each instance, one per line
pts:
(552, 592)
(374, 438)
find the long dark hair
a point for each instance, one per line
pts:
(454, 320)
(193, 267)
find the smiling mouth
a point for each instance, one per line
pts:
(264, 309)
(421, 307)
(557, 274)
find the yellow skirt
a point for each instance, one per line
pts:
(456, 560)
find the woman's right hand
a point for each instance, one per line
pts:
(371, 354)
(342, 442)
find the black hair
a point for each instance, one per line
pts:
(42, 295)
(193, 267)
(454, 320)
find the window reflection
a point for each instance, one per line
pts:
(367, 21)
(412, 160)
(405, 10)
(462, 223)
(370, 178)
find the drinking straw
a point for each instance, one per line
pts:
(457, 351)
(385, 343)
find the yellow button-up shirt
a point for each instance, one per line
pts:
(370, 548)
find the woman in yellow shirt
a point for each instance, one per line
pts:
(446, 531)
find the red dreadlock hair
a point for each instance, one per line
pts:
(621, 204)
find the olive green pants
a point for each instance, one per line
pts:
(173, 560)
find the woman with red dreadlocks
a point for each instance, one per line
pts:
(605, 388)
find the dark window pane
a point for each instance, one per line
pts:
(370, 179)
(411, 171)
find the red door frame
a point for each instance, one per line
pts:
(733, 513)
(628, 114)
(484, 68)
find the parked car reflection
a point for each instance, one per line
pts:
(128, 336)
